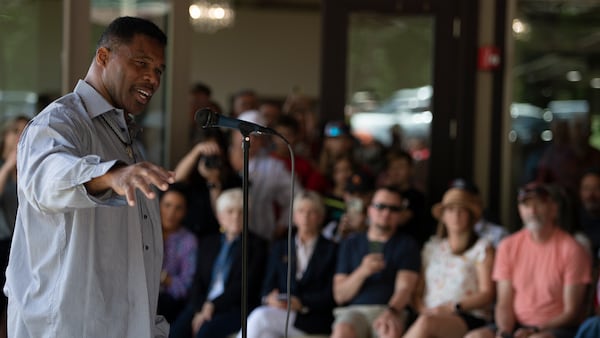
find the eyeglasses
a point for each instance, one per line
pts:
(392, 208)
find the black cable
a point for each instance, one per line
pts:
(289, 266)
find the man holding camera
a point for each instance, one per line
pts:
(377, 272)
(207, 172)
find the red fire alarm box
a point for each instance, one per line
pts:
(488, 58)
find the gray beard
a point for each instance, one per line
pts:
(533, 225)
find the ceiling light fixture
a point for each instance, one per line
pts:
(209, 16)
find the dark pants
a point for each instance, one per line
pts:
(564, 332)
(220, 326)
(169, 307)
(4, 253)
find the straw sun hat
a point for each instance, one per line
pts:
(461, 197)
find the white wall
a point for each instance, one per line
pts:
(269, 51)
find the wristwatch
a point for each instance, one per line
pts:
(393, 310)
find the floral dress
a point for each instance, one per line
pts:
(450, 277)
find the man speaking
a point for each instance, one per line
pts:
(87, 249)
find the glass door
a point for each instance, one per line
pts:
(390, 84)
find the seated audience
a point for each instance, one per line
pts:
(456, 291)
(312, 264)
(357, 196)
(302, 108)
(589, 215)
(568, 214)
(244, 100)
(541, 273)
(269, 182)
(215, 305)
(342, 170)
(9, 137)
(376, 272)
(271, 110)
(179, 259)
(207, 171)
(399, 172)
(484, 227)
(591, 327)
(307, 174)
(570, 153)
(199, 97)
(338, 141)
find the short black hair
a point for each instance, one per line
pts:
(178, 187)
(391, 189)
(399, 154)
(123, 29)
(288, 121)
(595, 171)
(200, 87)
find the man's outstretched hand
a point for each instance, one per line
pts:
(124, 180)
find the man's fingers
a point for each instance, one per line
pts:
(159, 177)
(160, 182)
(142, 176)
(130, 196)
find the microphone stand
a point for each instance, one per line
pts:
(206, 116)
(246, 131)
(245, 148)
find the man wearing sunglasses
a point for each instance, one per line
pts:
(377, 272)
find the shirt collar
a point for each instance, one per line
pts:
(95, 103)
(235, 240)
(308, 245)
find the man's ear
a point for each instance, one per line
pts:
(102, 55)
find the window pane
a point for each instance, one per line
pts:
(30, 49)
(390, 84)
(555, 113)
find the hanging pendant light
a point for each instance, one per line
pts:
(209, 16)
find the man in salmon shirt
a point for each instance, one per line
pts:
(541, 272)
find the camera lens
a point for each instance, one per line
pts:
(212, 161)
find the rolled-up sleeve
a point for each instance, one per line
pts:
(52, 171)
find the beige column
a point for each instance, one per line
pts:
(177, 83)
(76, 42)
(483, 101)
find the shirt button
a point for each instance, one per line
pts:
(145, 216)
(146, 247)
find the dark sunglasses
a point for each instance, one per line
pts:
(392, 208)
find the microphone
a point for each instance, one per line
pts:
(207, 118)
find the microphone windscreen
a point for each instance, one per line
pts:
(203, 117)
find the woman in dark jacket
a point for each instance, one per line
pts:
(312, 264)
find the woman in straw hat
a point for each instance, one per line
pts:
(456, 289)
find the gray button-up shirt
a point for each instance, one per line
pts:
(81, 265)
